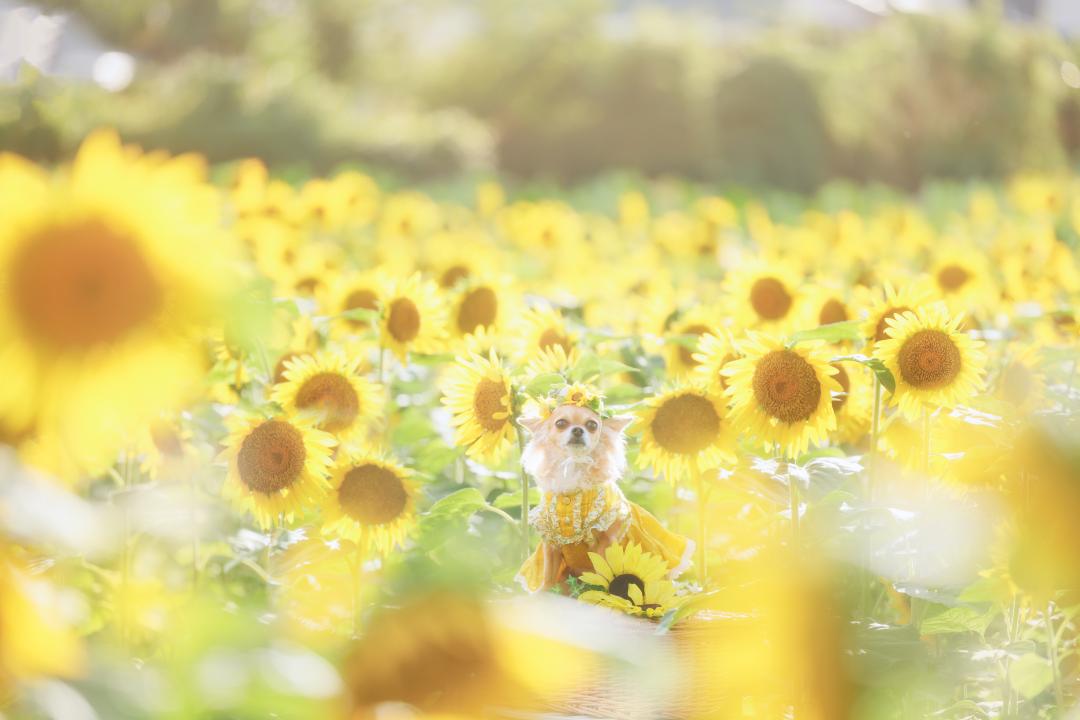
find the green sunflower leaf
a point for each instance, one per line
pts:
(882, 373)
(544, 384)
(1030, 674)
(833, 332)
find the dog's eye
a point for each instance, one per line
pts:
(591, 426)
(561, 424)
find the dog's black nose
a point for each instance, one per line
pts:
(577, 432)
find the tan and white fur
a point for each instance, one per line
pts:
(574, 449)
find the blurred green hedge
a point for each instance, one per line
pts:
(556, 93)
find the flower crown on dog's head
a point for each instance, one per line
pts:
(578, 394)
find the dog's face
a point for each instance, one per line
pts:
(575, 431)
(575, 428)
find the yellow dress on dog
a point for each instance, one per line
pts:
(571, 521)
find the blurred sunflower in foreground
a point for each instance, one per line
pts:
(110, 271)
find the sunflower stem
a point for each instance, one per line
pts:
(874, 430)
(1051, 647)
(382, 365)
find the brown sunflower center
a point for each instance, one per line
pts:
(372, 495)
(307, 285)
(82, 284)
(403, 320)
(479, 308)
(786, 386)
(552, 337)
(833, 311)
(686, 424)
(360, 299)
(770, 299)
(166, 439)
(452, 275)
(488, 401)
(271, 457)
(882, 323)
(332, 397)
(929, 359)
(620, 585)
(952, 277)
(841, 377)
(686, 354)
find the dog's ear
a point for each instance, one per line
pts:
(618, 423)
(532, 424)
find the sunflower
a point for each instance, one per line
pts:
(684, 432)
(351, 291)
(277, 466)
(962, 277)
(553, 359)
(111, 273)
(372, 502)
(413, 317)
(828, 305)
(328, 387)
(478, 392)
(715, 351)
(783, 395)
(630, 580)
(765, 296)
(935, 365)
(540, 329)
(683, 340)
(892, 304)
(480, 303)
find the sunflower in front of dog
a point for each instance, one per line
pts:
(577, 454)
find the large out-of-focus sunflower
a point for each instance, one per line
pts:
(277, 466)
(478, 392)
(111, 272)
(372, 502)
(765, 296)
(631, 581)
(935, 365)
(890, 303)
(443, 651)
(34, 642)
(327, 387)
(783, 395)
(684, 432)
(413, 317)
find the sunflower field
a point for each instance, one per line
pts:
(261, 445)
